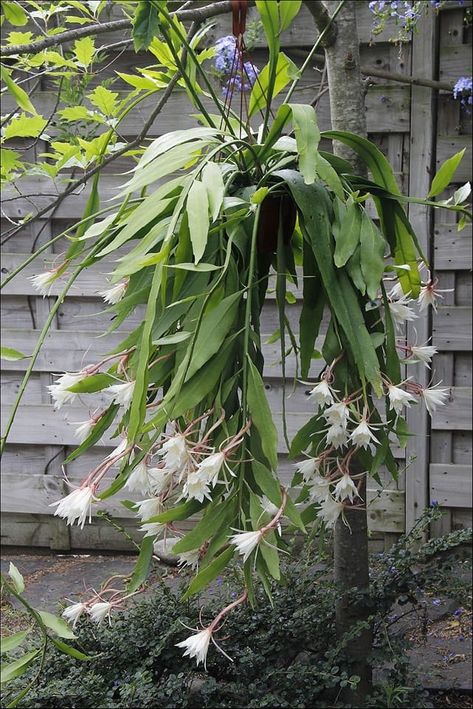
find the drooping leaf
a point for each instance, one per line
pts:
(198, 215)
(270, 555)
(18, 667)
(445, 174)
(16, 577)
(261, 416)
(205, 528)
(19, 94)
(206, 575)
(11, 355)
(372, 248)
(307, 138)
(57, 625)
(10, 642)
(93, 383)
(215, 186)
(145, 25)
(72, 651)
(348, 236)
(313, 303)
(142, 566)
(96, 433)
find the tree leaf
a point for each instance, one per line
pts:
(261, 415)
(142, 566)
(267, 482)
(145, 25)
(288, 9)
(195, 267)
(14, 13)
(11, 355)
(307, 138)
(18, 667)
(372, 248)
(198, 215)
(72, 651)
(57, 625)
(445, 174)
(10, 642)
(16, 577)
(25, 127)
(179, 513)
(104, 99)
(462, 193)
(84, 51)
(207, 575)
(19, 94)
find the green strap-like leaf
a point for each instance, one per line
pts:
(261, 416)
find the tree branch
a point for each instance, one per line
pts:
(198, 14)
(404, 79)
(322, 18)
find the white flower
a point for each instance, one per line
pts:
(115, 293)
(307, 468)
(210, 467)
(319, 489)
(401, 312)
(322, 394)
(396, 292)
(101, 610)
(149, 508)
(434, 397)
(268, 506)
(398, 398)
(83, 429)
(59, 390)
(43, 282)
(337, 414)
(138, 480)
(176, 454)
(345, 488)
(362, 435)
(196, 487)
(423, 354)
(337, 436)
(74, 612)
(76, 505)
(245, 542)
(429, 295)
(189, 558)
(122, 393)
(152, 529)
(330, 510)
(159, 479)
(121, 448)
(197, 646)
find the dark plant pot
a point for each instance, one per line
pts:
(272, 208)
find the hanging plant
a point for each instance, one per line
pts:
(188, 407)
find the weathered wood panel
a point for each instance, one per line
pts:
(450, 485)
(452, 248)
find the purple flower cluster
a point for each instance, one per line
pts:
(228, 66)
(463, 90)
(406, 14)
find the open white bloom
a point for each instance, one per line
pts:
(138, 480)
(74, 612)
(196, 487)
(189, 558)
(152, 529)
(401, 312)
(210, 467)
(115, 293)
(337, 436)
(423, 353)
(60, 390)
(76, 505)
(322, 394)
(337, 414)
(319, 489)
(42, 282)
(330, 511)
(434, 397)
(83, 429)
(197, 646)
(245, 542)
(100, 610)
(176, 454)
(121, 448)
(307, 468)
(398, 398)
(159, 479)
(148, 508)
(429, 295)
(396, 292)
(345, 488)
(362, 435)
(122, 393)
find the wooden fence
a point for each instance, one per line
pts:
(416, 128)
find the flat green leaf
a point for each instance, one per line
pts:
(166, 142)
(142, 566)
(198, 215)
(72, 651)
(210, 572)
(329, 175)
(269, 14)
(445, 174)
(93, 383)
(195, 267)
(11, 355)
(172, 339)
(304, 437)
(10, 642)
(261, 416)
(288, 9)
(145, 25)
(267, 482)
(105, 100)
(18, 667)
(348, 236)
(372, 248)
(215, 186)
(214, 515)
(96, 433)
(14, 13)
(307, 138)
(16, 577)
(270, 555)
(285, 72)
(57, 625)
(20, 96)
(462, 193)
(402, 431)
(25, 127)
(313, 303)
(84, 51)
(179, 513)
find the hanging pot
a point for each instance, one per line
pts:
(273, 208)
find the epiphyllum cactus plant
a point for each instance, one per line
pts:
(186, 390)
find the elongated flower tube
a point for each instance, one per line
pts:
(76, 506)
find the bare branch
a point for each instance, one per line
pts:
(198, 14)
(322, 18)
(404, 79)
